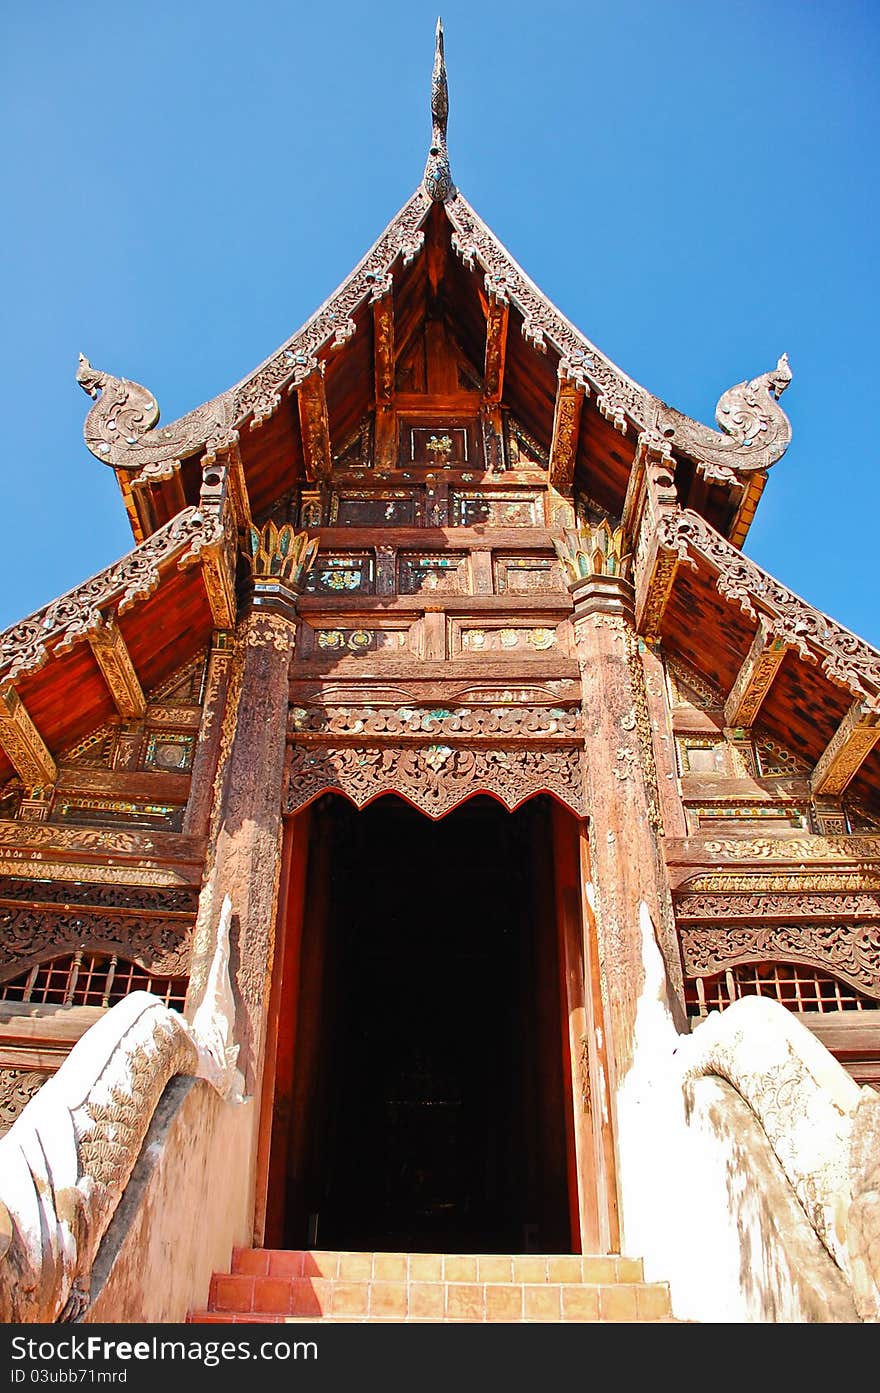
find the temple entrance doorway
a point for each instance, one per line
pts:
(425, 1108)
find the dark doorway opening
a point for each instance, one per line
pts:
(428, 1106)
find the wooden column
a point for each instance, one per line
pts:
(198, 809)
(624, 865)
(245, 843)
(278, 1073)
(598, 1065)
(589, 1166)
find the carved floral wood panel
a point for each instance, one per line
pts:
(436, 777)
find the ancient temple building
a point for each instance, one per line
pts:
(440, 870)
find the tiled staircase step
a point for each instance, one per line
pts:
(280, 1285)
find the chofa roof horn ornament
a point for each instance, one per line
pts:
(756, 430)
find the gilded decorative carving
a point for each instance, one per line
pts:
(796, 882)
(640, 719)
(659, 588)
(221, 661)
(755, 678)
(757, 431)
(183, 686)
(851, 848)
(22, 741)
(688, 687)
(270, 631)
(11, 863)
(160, 945)
(435, 778)
(366, 722)
(497, 313)
(114, 660)
(281, 552)
(76, 839)
(770, 904)
(844, 658)
(847, 950)
(847, 750)
(775, 760)
(508, 639)
(314, 425)
(570, 392)
(179, 900)
(382, 301)
(17, 1088)
(593, 549)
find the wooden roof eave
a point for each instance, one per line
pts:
(35, 654)
(732, 461)
(781, 627)
(121, 429)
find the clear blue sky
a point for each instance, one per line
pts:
(694, 183)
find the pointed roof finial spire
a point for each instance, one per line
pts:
(438, 178)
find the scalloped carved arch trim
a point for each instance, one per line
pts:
(435, 779)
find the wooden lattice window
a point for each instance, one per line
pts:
(90, 979)
(800, 989)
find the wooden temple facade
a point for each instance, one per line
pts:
(437, 653)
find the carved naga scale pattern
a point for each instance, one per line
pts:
(822, 1126)
(93, 1134)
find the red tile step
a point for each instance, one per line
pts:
(267, 1284)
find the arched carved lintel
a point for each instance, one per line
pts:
(434, 779)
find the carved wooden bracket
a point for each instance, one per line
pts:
(383, 342)
(315, 425)
(847, 749)
(117, 669)
(216, 549)
(225, 451)
(497, 314)
(22, 741)
(755, 677)
(650, 495)
(571, 390)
